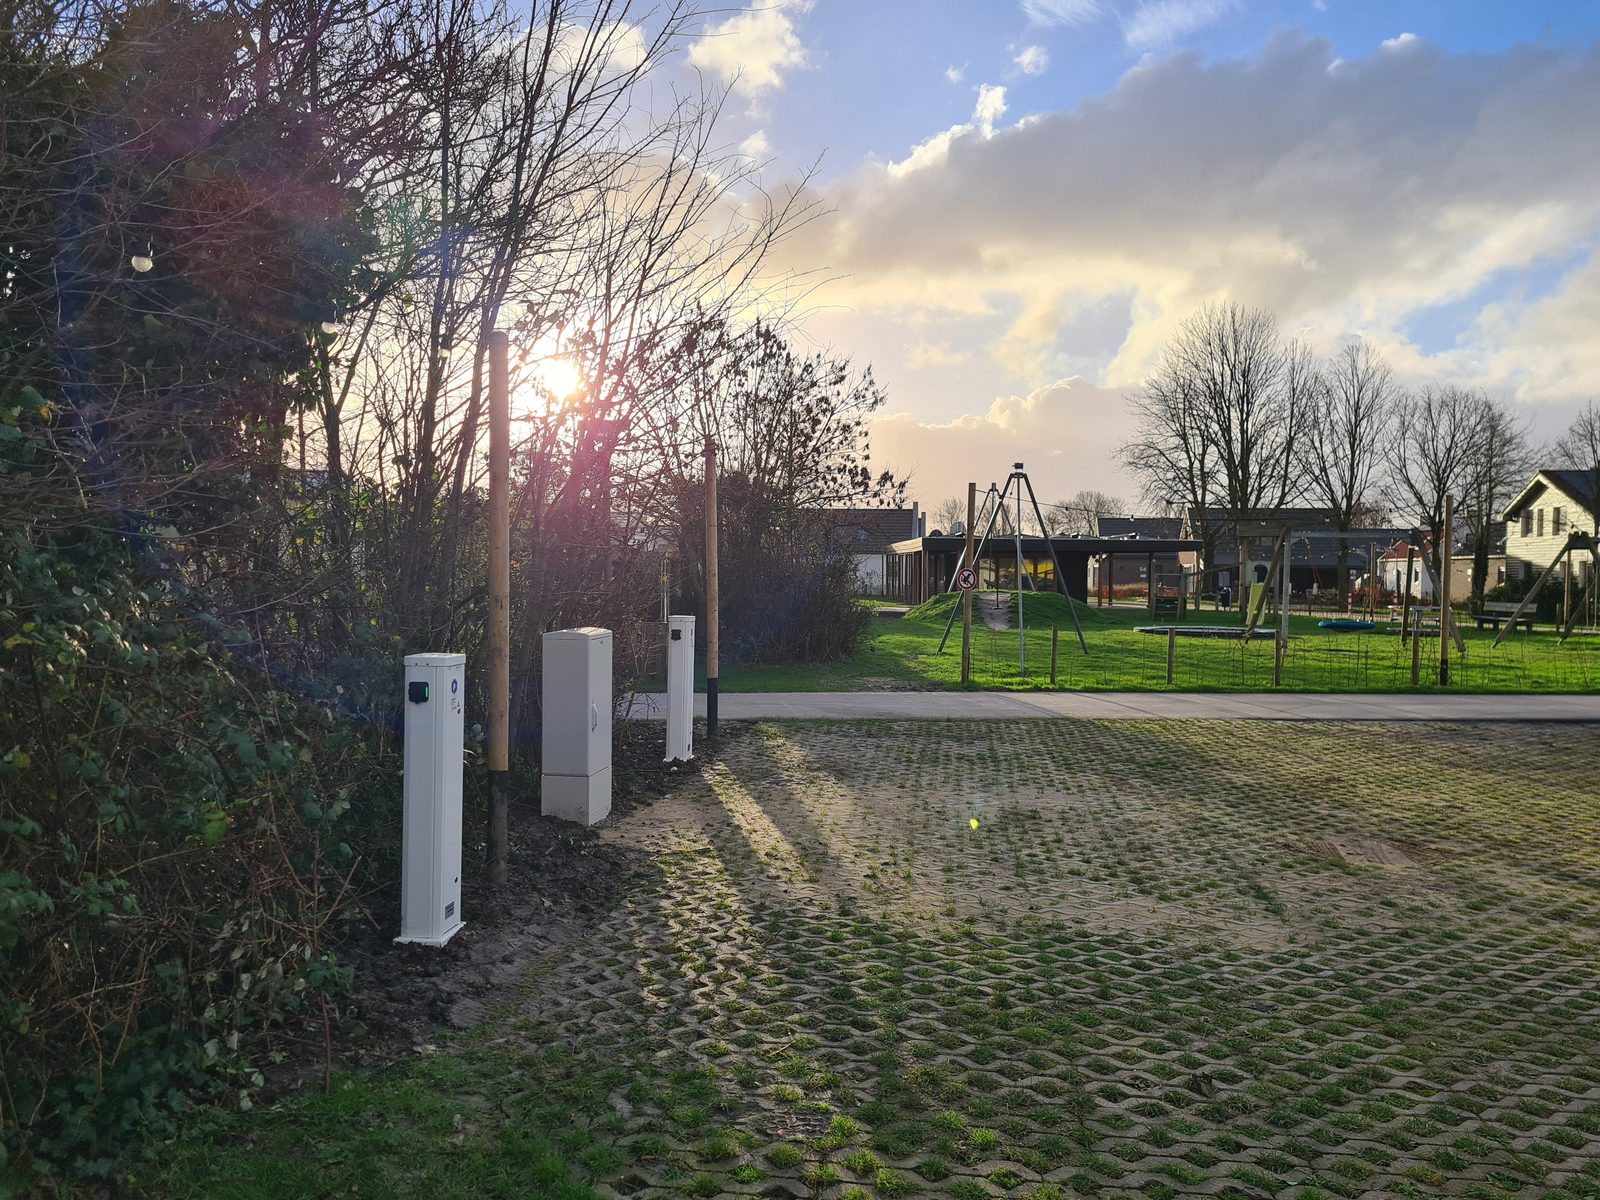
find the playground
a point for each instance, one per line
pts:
(903, 653)
(1031, 959)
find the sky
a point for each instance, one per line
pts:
(1023, 198)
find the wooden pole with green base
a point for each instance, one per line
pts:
(499, 603)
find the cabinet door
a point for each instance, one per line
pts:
(599, 707)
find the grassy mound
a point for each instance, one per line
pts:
(1038, 608)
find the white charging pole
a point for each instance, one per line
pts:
(680, 689)
(430, 854)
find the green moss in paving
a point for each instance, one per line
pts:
(1283, 960)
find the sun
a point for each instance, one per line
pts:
(559, 376)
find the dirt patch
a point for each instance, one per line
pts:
(562, 879)
(1367, 852)
(887, 683)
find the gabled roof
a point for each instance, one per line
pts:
(869, 530)
(1577, 486)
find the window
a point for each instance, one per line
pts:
(1527, 523)
(1540, 522)
(1555, 520)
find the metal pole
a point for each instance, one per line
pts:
(1444, 596)
(966, 594)
(1055, 563)
(1172, 651)
(1055, 639)
(499, 601)
(713, 593)
(1022, 643)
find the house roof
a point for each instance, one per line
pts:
(1138, 527)
(1003, 545)
(1577, 486)
(1265, 518)
(869, 530)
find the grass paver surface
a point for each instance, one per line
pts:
(1169, 958)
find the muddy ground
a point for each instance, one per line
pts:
(561, 878)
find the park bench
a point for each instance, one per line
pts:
(1495, 611)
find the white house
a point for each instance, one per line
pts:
(1555, 504)
(1392, 573)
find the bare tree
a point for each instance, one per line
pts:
(1347, 422)
(1220, 421)
(1498, 466)
(949, 513)
(1172, 454)
(1081, 514)
(1579, 450)
(1431, 455)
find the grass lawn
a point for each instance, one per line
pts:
(1029, 959)
(903, 652)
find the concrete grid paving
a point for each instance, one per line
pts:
(1171, 958)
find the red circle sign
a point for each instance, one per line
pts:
(966, 579)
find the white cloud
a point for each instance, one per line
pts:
(756, 145)
(956, 74)
(932, 151)
(1404, 42)
(990, 108)
(1159, 23)
(618, 46)
(1063, 12)
(1034, 60)
(1060, 431)
(1147, 25)
(935, 354)
(755, 47)
(1344, 200)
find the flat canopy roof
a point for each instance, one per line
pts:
(1034, 544)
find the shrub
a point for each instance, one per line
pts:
(170, 834)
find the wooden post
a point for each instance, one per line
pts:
(1055, 636)
(1444, 596)
(1566, 590)
(966, 595)
(1416, 657)
(1172, 651)
(1282, 648)
(1150, 583)
(1405, 596)
(713, 594)
(1372, 574)
(499, 602)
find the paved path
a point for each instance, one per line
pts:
(1210, 706)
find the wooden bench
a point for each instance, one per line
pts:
(1495, 611)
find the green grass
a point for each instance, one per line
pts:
(904, 652)
(436, 1128)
